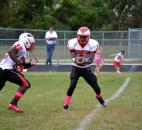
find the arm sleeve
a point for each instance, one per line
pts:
(26, 65)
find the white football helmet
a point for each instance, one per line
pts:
(83, 35)
(28, 39)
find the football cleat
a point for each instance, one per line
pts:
(14, 108)
(101, 101)
(65, 107)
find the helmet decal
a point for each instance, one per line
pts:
(83, 29)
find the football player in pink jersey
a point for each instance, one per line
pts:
(118, 60)
(13, 63)
(98, 60)
(82, 51)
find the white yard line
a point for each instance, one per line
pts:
(97, 109)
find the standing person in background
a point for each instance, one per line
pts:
(118, 60)
(50, 37)
(82, 51)
(12, 65)
(98, 60)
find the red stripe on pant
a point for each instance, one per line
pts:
(25, 83)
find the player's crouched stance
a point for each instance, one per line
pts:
(82, 51)
(13, 63)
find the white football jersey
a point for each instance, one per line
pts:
(85, 51)
(8, 63)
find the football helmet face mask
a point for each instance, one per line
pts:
(28, 40)
(83, 35)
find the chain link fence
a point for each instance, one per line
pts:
(135, 43)
(111, 41)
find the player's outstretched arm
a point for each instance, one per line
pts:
(33, 61)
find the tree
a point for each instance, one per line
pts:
(121, 9)
(71, 14)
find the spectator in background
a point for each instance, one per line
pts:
(98, 60)
(118, 60)
(50, 37)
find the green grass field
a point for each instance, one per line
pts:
(44, 100)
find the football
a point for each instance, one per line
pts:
(80, 60)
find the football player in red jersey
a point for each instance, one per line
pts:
(82, 51)
(13, 63)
